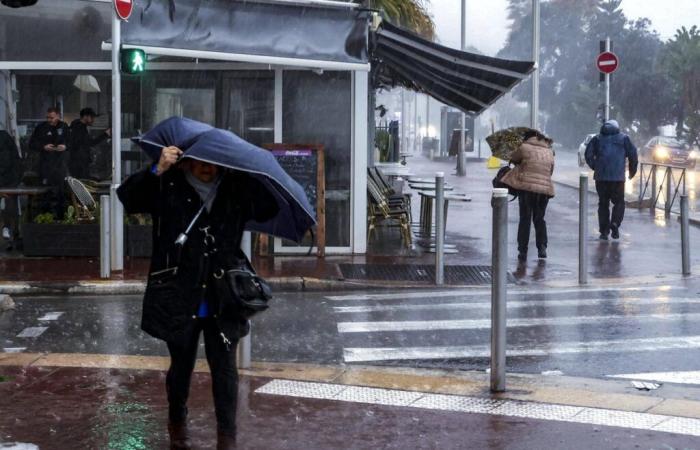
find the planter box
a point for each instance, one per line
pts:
(61, 240)
(139, 240)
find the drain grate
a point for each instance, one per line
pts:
(459, 274)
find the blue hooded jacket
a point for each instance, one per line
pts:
(606, 154)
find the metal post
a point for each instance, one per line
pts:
(607, 85)
(652, 209)
(105, 237)
(461, 169)
(415, 123)
(535, 104)
(244, 344)
(439, 228)
(641, 186)
(669, 195)
(404, 117)
(116, 209)
(499, 270)
(583, 228)
(685, 235)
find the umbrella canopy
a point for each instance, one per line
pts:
(223, 148)
(505, 142)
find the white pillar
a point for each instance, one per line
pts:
(358, 183)
(116, 210)
(461, 169)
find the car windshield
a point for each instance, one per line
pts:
(668, 142)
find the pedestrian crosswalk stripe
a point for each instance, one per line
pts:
(32, 332)
(360, 354)
(477, 405)
(475, 324)
(628, 301)
(477, 293)
(685, 377)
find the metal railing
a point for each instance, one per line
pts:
(671, 186)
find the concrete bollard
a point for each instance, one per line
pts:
(105, 237)
(499, 272)
(583, 228)
(439, 228)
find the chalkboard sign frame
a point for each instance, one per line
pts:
(319, 154)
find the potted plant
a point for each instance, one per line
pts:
(46, 236)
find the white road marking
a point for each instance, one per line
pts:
(476, 293)
(456, 403)
(13, 350)
(364, 354)
(685, 377)
(31, 332)
(477, 324)
(51, 316)
(627, 301)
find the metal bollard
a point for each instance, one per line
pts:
(244, 351)
(685, 235)
(583, 228)
(105, 237)
(499, 271)
(669, 194)
(439, 228)
(652, 208)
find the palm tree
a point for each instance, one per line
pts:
(682, 64)
(410, 14)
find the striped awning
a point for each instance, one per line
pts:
(467, 81)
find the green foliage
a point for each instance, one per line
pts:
(570, 91)
(70, 218)
(382, 140)
(681, 63)
(410, 14)
(138, 219)
(45, 218)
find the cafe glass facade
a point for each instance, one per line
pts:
(262, 103)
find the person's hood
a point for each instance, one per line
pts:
(610, 127)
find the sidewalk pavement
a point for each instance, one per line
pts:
(649, 249)
(61, 401)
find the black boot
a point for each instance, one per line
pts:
(614, 231)
(522, 256)
(542, 252)
(179, 436)
(225, 441)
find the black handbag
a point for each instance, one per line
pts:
(242, 290)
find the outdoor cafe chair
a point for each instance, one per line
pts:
(83, 201)
(380, 211)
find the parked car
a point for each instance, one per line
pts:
(582, 150)
(669, 150)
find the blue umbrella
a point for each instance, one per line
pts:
(223, 148)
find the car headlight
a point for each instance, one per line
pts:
(662, 153)
(694, 154)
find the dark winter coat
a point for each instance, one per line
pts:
(606, 154)
(10, 163)
(173, 296)
(80, 147)
(52, 165)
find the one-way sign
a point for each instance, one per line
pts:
(607, 62)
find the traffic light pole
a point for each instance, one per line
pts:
(116, 208)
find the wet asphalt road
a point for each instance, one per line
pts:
(592, 333)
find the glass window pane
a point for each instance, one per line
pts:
(317, 110)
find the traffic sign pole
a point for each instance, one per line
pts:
(116, 210)
(607, 85)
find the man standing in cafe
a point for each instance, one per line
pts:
(81, 143)
(50, 140)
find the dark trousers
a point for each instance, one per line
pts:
(532, 210)
(610, 191)
(224, 376)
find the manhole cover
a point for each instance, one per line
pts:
(459, 274)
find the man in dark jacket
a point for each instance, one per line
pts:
(606, 154)
(50, 141)
(182, 296)
(81, 143)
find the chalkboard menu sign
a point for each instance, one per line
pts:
(305, 163)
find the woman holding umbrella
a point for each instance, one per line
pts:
(532, 178)
(181, 300)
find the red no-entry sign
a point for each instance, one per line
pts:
(607, 62)
(123, 8)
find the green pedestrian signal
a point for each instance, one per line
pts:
(133, 61)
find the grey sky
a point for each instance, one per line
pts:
(487, 24)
